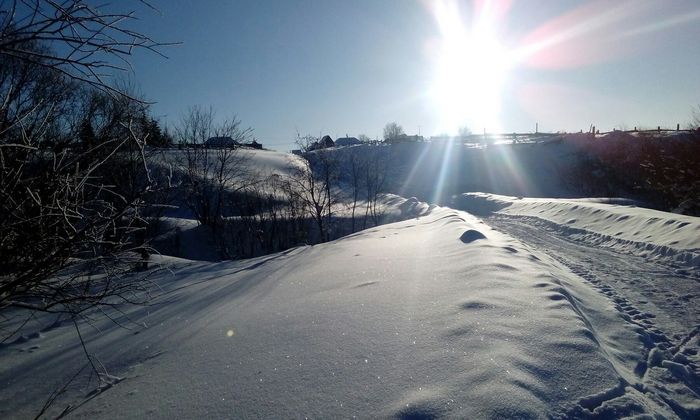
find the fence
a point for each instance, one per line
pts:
(537, 137)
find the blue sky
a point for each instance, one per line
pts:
(349, 67)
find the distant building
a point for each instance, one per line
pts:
(254, 145)
(324, 143)
(221, 142)
(403, 138)
(347, 141)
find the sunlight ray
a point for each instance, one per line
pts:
(444, 171)
(417, 166)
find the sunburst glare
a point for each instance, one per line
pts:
(471, 68)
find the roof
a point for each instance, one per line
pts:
(221, 141)
(347, 141)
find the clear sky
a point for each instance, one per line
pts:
(349, 67)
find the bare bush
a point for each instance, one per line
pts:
(270, 218)
(65, 233)
(70, 211)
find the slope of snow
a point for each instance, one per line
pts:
(182, 236)
(435, 316)
(270, 162)
(615, 223)
(439, 315)
(186, 238)
(434, 172)
(264, 162)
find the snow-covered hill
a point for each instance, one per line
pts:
(435, 171)
(503, 307)
(265, 162)
(435, 316)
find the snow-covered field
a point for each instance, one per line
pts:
(497, 308)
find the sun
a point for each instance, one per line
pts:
(470, 71)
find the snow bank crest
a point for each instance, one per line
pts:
(609, 222)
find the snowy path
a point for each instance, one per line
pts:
(660, 302)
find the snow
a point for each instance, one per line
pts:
(265, 162)
(501, 307)
(435, 316)
(615, 223)
(270, 162)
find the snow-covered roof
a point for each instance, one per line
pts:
(347, 141)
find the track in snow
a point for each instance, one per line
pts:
(661, 302)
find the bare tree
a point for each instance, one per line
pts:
(695, 119)
(327, 166)
(464, 132)
(311, 191)
(355, 169)
(392, 131)
(295, 209)
(306, 143)
(269, 219)
(214, 175)
(82, 42)
(375, 177)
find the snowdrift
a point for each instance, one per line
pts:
(429, 317)
(183, 237)
(614, 223)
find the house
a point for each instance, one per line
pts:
(403, 138)
(347, 141)
(325, 142)
(254, 145)
(221, 142)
